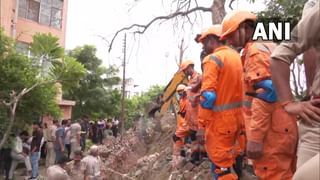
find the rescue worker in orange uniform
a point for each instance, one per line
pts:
(182, 129)
(221, 102)
(193, 93)
(271, 132)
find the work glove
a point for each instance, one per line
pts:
(208, 99)
(268, 95)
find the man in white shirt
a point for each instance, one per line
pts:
(75, 137)
(18, 155)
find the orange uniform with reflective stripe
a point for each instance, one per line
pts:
(182, 129)
(182, 126)
(193, 103)
(268, 123)
(193, 108)
(222, 73)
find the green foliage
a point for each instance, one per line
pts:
(94, 95)
(68, 72)
(17, 73)
(283, 10)
(65, 69)
(6, 46)
(136, 106)
(46, 45)
(87, 56)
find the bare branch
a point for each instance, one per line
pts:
(8, 104)
(218, 11)
(142, 28)
(103, 38)
(196, 2)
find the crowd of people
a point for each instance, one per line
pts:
(58, 142)
(241, 109)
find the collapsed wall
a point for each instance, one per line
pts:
(146, 153)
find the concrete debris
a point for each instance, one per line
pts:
(146, 153)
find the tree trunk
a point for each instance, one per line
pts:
(218, 11)
(6, 135)
(181, 52)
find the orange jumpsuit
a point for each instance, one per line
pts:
(193, 108)
(222, 73)
(193, 103)
(268, 123)
(182, 129)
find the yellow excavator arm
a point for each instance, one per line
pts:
(168, 98)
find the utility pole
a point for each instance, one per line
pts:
(123, 85)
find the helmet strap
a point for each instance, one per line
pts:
(242, 35)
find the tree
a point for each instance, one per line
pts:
(283, 10)
(24, 95)
(183, 10)
(94, 95)
(137, 105)
(45, 49)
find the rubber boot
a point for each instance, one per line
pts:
(195, 158)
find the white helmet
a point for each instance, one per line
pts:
(181, 87)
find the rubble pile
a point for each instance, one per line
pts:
(145, 152)
(117, 154)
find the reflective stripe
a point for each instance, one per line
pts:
(227, 106)
(232, 106)
(247, 104)
(217, 60)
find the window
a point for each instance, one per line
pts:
(23, 8)
(33, 10)
(56, 18)
(46, 12)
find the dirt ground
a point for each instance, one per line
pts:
(19, 174)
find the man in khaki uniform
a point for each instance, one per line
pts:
(92, 164)
(309, 56)
(58, 172)
(304, 36)
(75, 168)
(75, 132)
(51, 136)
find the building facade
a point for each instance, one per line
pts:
(21, 19)
(131, 88)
